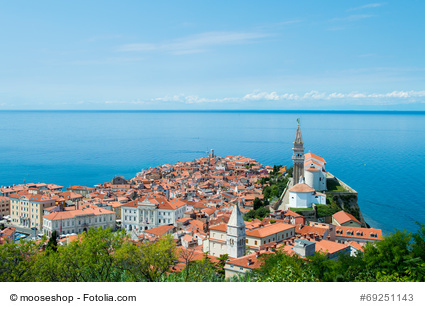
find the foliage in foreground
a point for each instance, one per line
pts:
(104, 256)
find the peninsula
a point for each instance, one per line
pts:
(229, 206)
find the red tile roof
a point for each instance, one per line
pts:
(342, 217)
(271, 229)
(301, 188)
(160, 230)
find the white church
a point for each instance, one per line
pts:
(310, 175)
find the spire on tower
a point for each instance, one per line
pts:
(298, 136)
(236, 218)
(298, 156)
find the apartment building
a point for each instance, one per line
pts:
(26, 210)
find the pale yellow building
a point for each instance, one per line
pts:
(26, 210)
(269, 233)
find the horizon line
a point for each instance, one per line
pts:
(219, 110)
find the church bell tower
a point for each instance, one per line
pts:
(298, 156)
(236, 234)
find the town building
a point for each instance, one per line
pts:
(150, 212)
(78, 220)
(307, 247)
(342, 218)
(7, 235)
(304, 196)
(26, 210)
(245, 264)
(257, 237)
(82, 190)
(4, 206)
(358, 235)
(314, 171)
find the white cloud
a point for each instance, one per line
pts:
(195, 43)
(366, 6)
(311, 95)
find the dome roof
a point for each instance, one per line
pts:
(301, 188)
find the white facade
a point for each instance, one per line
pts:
(235, 238)
(68, 222)
(151, 213)
(303, 196)
(314, 172)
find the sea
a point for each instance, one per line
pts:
(378, 154)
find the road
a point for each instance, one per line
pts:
(285, 199)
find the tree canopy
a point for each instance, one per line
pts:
(105, 256)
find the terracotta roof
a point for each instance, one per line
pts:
(306, 163)
(133, 203)
(343, 217)
(356, 245)
(31, 197)
(291, 213)
(159, 230)
(328, 246)
(311, 155)
(80, 212)
(301, 188)
(306, 229)
(365, 233)
(183, 219)
(222, 227)
(270, 230)
(8, 231)
(322, 245)
(189, 238)
(250, 261)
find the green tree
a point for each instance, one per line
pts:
(389, 254)
(249, 215)
(89, 258)
(418, 244)
(221, 263)
(147, 261)
(281, 267)
(257, 203)
(267, 192)
(17, 261)
(262, 212)
(52, 245)
(289, 171)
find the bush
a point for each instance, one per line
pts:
(326, 210)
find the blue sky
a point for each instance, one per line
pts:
(212, 55)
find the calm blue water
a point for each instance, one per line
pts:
(378, 154)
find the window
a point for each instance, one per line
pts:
(255, 243)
